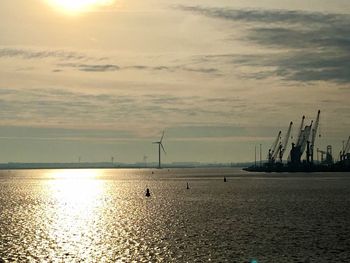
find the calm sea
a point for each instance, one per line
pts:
(104, 216)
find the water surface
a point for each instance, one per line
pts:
(104, 216)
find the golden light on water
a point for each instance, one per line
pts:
(76, 186)
(78, 6)
(73, 174)
(76, 201)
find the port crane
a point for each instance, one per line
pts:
(273, 151)
(283, 145)
(304, 144)
(347, 147)
(279, 146)
(322, 154)
(305, 138)
(299, 137)
(344, 152)
(303, 141)
(298, 148)
(328, 153)
(313, 137)
(292, 155)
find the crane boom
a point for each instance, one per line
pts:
(277, 150)
(313, 136)
(273, 150)
(314, 129)
(305, 137)
(347, 147)
(299, 137)
(285, 140)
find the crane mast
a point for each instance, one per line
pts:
(296, 146)
(299, 137)
(322, 154)
(274, 147)
(347, 147)
(303, 151)
(329, 158)
(305, 138)
(345, 150)
(313, 136)
(285, 141)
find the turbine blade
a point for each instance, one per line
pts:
(163, 148)
(161, 139)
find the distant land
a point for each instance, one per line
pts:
(109, 165)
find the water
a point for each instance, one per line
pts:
(104, 216)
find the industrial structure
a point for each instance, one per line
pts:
(344, 156)
(304, 145)
(305, 142)
(279, 146)
(329, 157)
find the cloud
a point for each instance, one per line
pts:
(113, 67)
(298, 66)
(203, 70)
(98, 68)
(73, 59)
(91, 67)
(306, 46)
(39, 133)
(325, 38)
(56, 107)
(206, 131)
(41, 54)
(269, 16)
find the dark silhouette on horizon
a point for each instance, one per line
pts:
(160, 145)
(304, 143)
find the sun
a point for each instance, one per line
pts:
(78, 6)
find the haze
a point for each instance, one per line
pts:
(218, 76)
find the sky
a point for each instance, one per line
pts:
(220, 77)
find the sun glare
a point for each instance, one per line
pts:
(78, 6)
(75, 185)
(74, 174)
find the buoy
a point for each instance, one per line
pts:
(188, 187)
(148, 194)
(225, 179)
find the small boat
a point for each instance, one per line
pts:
(148, 194)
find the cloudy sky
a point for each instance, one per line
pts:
(218, 76)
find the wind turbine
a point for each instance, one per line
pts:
(145, 157)
(160, 145)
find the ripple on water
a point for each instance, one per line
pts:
(107, 218)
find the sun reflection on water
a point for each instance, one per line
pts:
(75, 187)
(74, 211)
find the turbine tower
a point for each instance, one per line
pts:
(145, 157)
(160, 145)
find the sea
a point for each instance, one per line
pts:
(103, 215)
